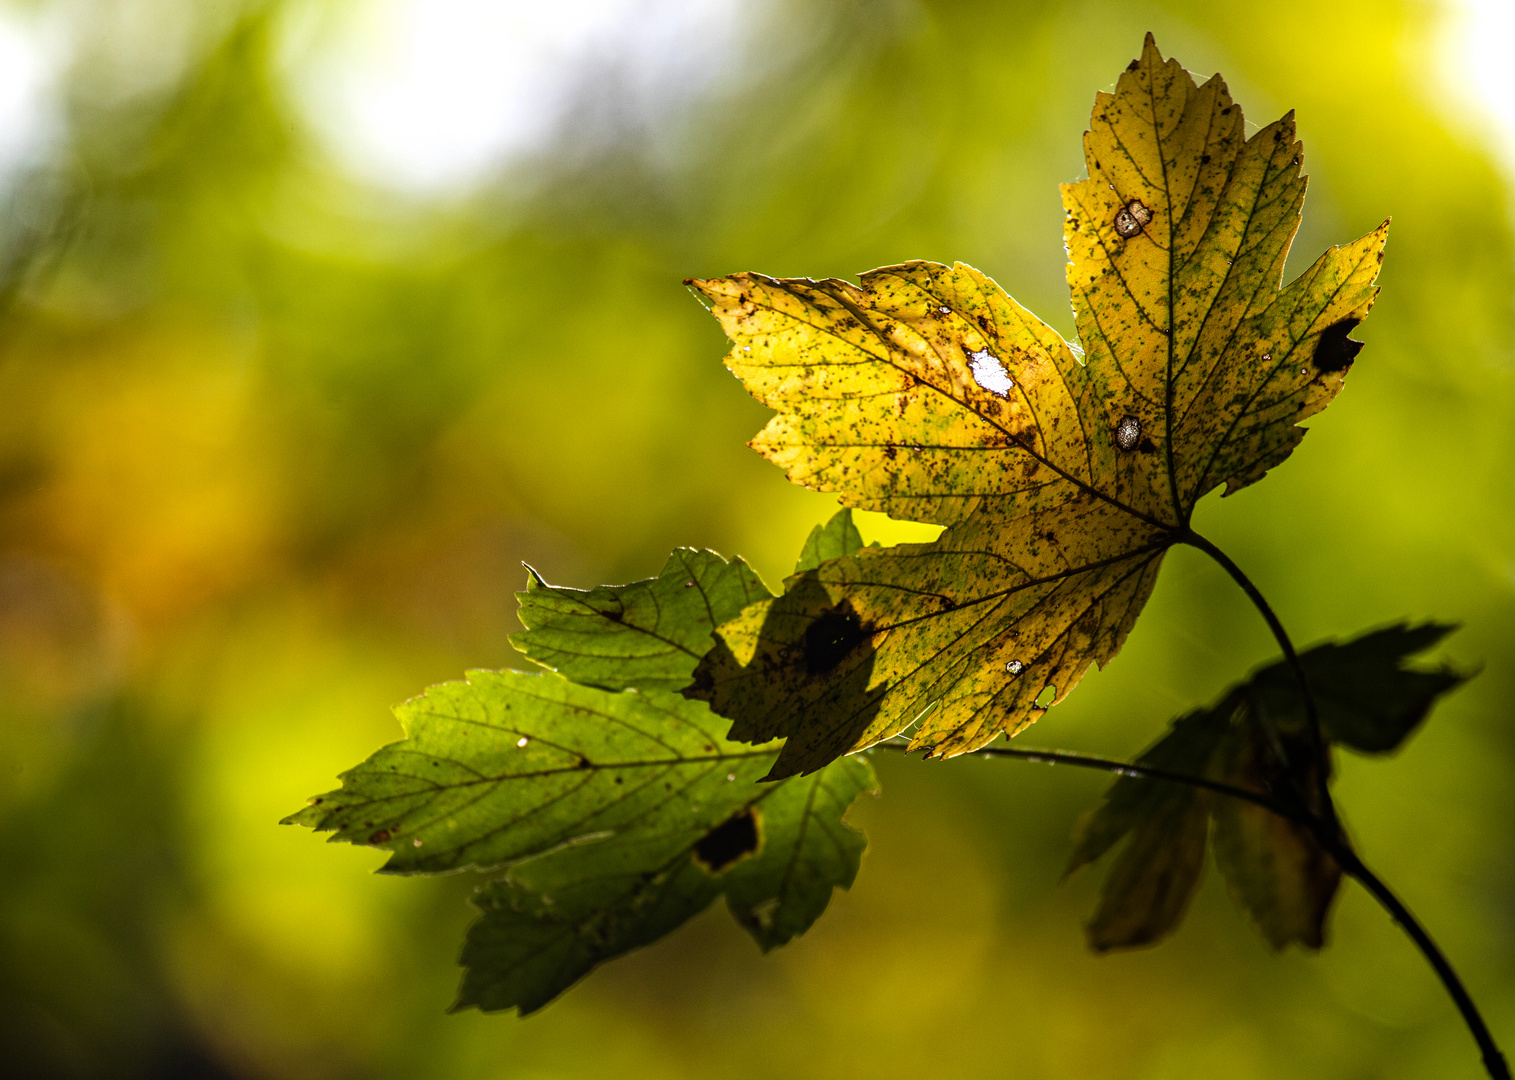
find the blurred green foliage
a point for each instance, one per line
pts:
(274, 444)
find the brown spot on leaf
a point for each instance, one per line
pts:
(1336, 351)
(379, 837)
(733, 839)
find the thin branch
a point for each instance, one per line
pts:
(1329, 836)
(1131, 768)
(1353, 867)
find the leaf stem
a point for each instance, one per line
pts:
(1326, 808)
(1131, 768)
(1493, 1060)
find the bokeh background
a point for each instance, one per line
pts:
(319, 318)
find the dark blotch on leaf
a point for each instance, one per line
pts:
(727, 842)
(1336, 351)
(830, 638)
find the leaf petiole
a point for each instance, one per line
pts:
(1130, 768)
(1322, 794)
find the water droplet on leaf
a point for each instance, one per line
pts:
(1015, 667)
(522, 741)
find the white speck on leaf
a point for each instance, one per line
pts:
(989, 373)
(1128, 433)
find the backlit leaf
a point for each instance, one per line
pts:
(553, 918)
(618, 813)
(509, 764)
(1062, 474)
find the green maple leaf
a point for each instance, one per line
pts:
(1256, 738)
(1062, 474)
(616, 807)
(649, 634)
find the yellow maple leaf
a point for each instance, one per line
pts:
(1062, 475)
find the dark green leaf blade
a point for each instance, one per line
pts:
(1148, 889)
(777, 858)
(619, 814)
(1275, 869)
(1368, 698)
(554, 919)
(649, 634)
(1257, 738)
(807, 850)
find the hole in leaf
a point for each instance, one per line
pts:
(733, 839)
(1045, 698)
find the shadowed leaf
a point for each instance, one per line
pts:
(1368, 699)
(1255, 738)
(1147, 890)
(554, 918)
(1274, 868)
(1062, 474)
